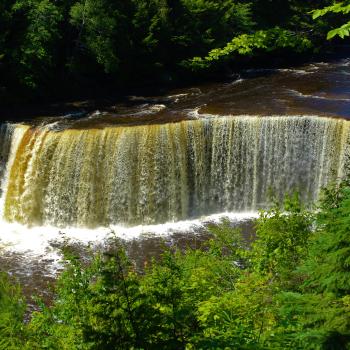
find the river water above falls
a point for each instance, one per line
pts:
(169, 164)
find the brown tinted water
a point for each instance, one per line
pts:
(321, 89)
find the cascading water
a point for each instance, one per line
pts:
(6, 133)
(157, 173)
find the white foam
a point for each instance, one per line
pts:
(157, 107)
(137, 98)
(294, 71)
(328, 98)
(237, 81)
(42, 242)
(177, 97)
(277, 70)
(149, 109)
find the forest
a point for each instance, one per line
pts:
(67, 48)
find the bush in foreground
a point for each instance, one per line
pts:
(289, 289)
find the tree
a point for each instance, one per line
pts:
(12, 310)
(98, 26)
(342, 7)
(318, 315)
(36, 54)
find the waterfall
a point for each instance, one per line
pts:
(6, 136)
(157, 173)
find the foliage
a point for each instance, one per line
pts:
(98, 24)
(52, 47)
(12, 309)
(320, 308)
(342, 7)
(36, 53)
(282, 239)
(329, 259)
(248, 44)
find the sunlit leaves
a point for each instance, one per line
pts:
(248, 44)
(12, 309)
(340, 7)
(343, 31)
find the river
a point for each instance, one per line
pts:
(157, 169)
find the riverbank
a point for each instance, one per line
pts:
(105, 97)
(317, 87)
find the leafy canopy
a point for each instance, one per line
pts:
(342, 7)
